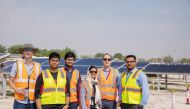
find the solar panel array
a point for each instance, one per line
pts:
(82, 65)
(140, 65)
(172, 68)
(1, 54)
(8, 66)
(4, 55)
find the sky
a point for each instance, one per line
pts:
(146, 28)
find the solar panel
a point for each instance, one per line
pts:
(122, 69)
(8, 66)
(44, 67)
(1, 54)
(187, 70)
(164, 68)
(62, 62)
(8, 63)
(152, 68)
(117, 64)
(182, 68)
(4, 55)
(83, 64)
(7, 69)
(40, 60)
(82, 69)
(142, 64)
(90, 61)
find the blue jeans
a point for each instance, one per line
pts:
(18, 105)
(73, 105)
(131, 106)
(53, 106)
(106, 104)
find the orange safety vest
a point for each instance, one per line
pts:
(108, 88)
(73, 85)
(89, 92)
(23, 80)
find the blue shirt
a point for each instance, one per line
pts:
(82, 97)
(143, 83)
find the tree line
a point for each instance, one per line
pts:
(14, 49)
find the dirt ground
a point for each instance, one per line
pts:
(158, 100)
(163, 100)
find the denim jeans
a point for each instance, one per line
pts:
(131, 106)
(73, 105)
(18, 105)
(106, 104)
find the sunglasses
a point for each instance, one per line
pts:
(28, 49)
(93, 71)
(107, 59)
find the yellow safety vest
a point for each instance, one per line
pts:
(53, 93)
(131, 92)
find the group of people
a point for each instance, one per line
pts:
(63, 88)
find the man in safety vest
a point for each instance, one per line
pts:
(109, 83)
(23, 78)
(74, 78)
(135, 89)
(52, 86)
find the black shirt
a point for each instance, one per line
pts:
(40, 82)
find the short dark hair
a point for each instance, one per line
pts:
(131, 56)
(70, 55)
(91, 67)
(54, 55)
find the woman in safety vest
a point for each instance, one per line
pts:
(90, 93)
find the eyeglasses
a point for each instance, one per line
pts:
(28, 49)
(93, 71)
(70, 59)
(130, 61)
(107, 59)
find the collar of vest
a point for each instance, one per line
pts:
(24, 61)
(132, 70)
(110, 68)
(68, 69)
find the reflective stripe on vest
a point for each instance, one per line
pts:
(53, 89)
(73, 89)
(89, 92)
(53, 93)
(131, 92)
(23, 80)
(108, 87)
(73, 85)
(131, 89)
